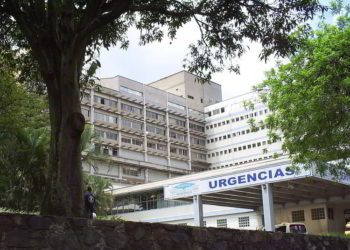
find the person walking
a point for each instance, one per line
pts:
(89, 199)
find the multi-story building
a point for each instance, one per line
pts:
(149, 134)
(236, 132)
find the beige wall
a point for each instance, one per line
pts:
(326, 225)
(185, 84)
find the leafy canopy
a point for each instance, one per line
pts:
(224, 26)
(310, 99)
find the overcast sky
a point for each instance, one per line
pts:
(154, 61)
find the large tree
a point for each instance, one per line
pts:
(309, 99)
(63, 35)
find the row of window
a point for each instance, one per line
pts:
(242, 222)
(178, 151)
(133, 141)
(246, 161)
(105, 101)
(216, 111)
(177, 122)
(106, 134)
(130, 91)
(236, 119)
(156, 146)
(316, 214)
(228, 136)
(106, 118)
(131, 171)
(155, 130)
(128, 123)
(240, 148)
(197, 141)
(144, 201)
(131, 109)
(138, 111)
(155, 115)
(106, 150)
(175, 105)
(178, 136)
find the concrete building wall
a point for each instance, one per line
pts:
(186, 85)
(141, 126)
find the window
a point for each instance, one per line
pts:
(131, 171)
(190, 97)
(298, 216)
(222, 110)
(151, 145)
(130, 91)
(216, 111)
(154, 115)
(126, 123)
(177, 122)
(178, 136)
(221, 223)
(131, 109)
(281, 229)
(317, 213)
(105, 150)
(105, 101)
(196, 127)
(175, 105)
(201, 100)
(243, 221)
(105, 118)
(155, 129)
(330, 213)
(197, 141)
(106, 134)
(133, 141)
(183, 151)
(115, 152)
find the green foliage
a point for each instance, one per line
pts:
(23, 168)
(223, 25)
(24, 144)
(309, 99)
(101, 188)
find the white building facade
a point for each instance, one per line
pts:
(236, 133)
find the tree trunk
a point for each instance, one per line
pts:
(64, 190)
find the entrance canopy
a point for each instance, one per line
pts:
(253, 185)
(243, 188)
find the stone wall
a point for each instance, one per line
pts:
(48, 232)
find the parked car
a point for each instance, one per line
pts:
(347, 228)
(296, 227)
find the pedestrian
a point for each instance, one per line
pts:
(89, 199)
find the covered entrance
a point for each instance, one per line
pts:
(261, 186)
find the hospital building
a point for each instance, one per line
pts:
(179, 154)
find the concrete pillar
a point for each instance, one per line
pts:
(269, 215)
(198, 211)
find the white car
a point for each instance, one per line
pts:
(295, 227)
(347, 228)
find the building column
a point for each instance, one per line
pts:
(269, 215)
(198, 211)
(167, 130)
(188, 137)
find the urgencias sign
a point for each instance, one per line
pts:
(232, 181)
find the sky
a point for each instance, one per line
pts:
(157, 60)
